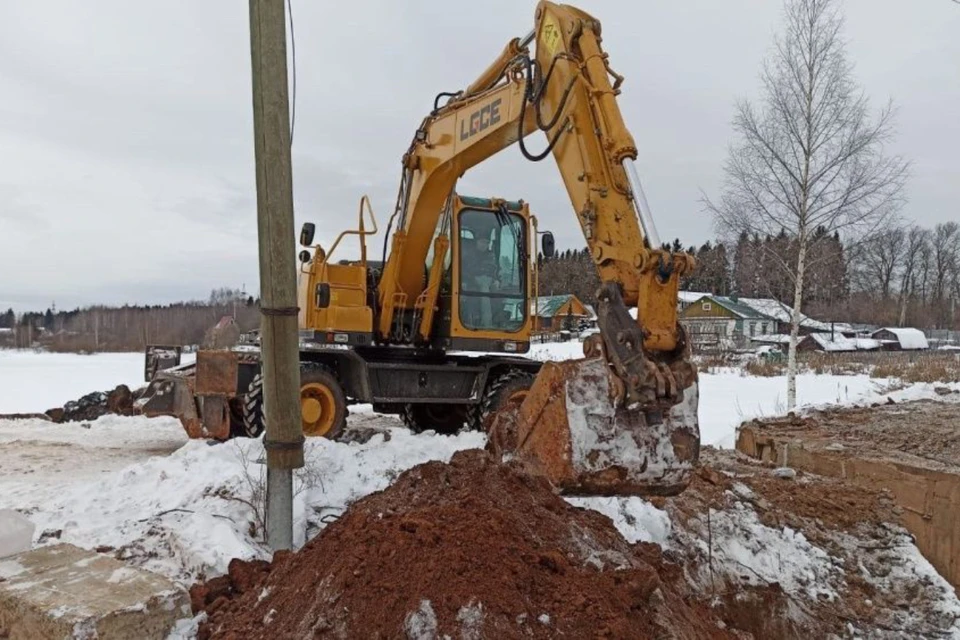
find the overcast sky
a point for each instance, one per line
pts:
(126, 171)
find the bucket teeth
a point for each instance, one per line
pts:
(571, 429)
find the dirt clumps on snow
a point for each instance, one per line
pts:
(470, 549)
(242, 576)
(838, 551)
(118, 401)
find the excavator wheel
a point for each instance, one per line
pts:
(254, 416)
(323, 406)
(510, 386)
(445, 419)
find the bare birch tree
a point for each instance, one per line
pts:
(918, 240)
(945, 246)
(881, 258)
(810, 155)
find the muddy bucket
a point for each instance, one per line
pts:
(569, 429)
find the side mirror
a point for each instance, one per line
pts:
(304, 256)
(549, 248)
(306, 234)
(323, 295)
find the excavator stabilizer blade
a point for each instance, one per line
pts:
(570, 429)
(171, 395)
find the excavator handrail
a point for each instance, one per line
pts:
(361, 231)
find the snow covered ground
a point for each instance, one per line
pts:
(34, 381)
(185, 508)
(728, 397)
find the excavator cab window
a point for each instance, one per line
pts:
(492, 270)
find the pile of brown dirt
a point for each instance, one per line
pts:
(470, 549)
(242, 576)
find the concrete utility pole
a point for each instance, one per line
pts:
(283, 439)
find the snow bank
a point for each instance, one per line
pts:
(192, 511)
(729, 398)
(636, 519)
(553, 351)
(889, 570)
(40, 460)
(740, 545)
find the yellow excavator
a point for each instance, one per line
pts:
(436, 331)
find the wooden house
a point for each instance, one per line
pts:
(551, 312)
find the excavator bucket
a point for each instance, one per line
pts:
(620, 421)
(571, 429)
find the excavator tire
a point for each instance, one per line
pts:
(319, 387)
(445, 419)
(512, 385)
(254, 416)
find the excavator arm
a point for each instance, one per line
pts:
(567, 89)
(623, 420)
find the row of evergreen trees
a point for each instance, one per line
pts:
(907, 276)
(753, 270)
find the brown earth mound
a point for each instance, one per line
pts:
(472, 549)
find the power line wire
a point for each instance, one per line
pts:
(293, 56)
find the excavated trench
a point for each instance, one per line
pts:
(911, 450)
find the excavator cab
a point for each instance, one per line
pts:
(486, 278)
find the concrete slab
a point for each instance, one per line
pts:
(62, 591)
(16, 533)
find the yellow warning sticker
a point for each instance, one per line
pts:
(550, 34)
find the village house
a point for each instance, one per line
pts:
(712, 321)
(223, 335)
(687, 298)
(731, 320)
(551, 312)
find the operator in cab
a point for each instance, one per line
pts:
(479, 275)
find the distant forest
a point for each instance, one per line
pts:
(129, 327)
(909, 276)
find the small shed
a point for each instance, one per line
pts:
(836, 343)
(550, 312)
(901, 339)
(775, 340)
